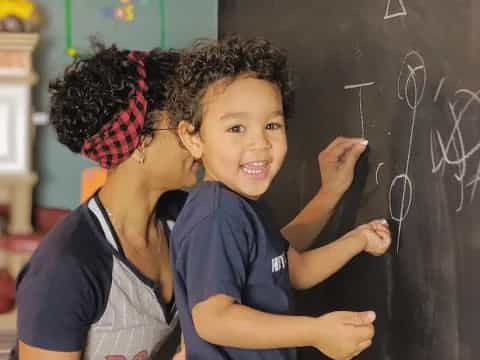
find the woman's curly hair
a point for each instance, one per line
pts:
(209, 61)
(92, 90)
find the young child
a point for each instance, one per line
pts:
(233, 271)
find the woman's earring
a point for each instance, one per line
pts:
(139, 156)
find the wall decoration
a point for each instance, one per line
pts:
(121, 11)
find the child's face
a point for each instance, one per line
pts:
(242, 137)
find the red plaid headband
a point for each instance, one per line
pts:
(119, 138)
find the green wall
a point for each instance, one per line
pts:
(184, 21)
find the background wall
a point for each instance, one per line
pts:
(183, 22)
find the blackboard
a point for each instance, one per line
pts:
(404, 74)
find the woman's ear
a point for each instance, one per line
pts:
(190, 139)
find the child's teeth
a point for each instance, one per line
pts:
(251, 171)
(256, 163)
(254, 167)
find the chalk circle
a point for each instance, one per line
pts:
(405, 194)
(412, 79)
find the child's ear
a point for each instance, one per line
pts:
(190, 138)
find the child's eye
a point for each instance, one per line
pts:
(236, 129)
(274, 126)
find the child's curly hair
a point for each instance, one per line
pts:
(92, 90)
(207, 62)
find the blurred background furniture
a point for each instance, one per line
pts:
(16, 130)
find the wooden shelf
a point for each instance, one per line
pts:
(18, 41)
(29, 79)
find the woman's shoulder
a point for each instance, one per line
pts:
(67, 278)
(71, 253)
(76, 237)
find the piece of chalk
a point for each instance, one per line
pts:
(371, 315)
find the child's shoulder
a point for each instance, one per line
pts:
(211, 196)
(211, 199)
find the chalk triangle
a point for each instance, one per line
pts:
(401, 11)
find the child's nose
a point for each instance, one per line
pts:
(261, 140)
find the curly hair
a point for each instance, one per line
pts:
(208, 62)
(93, 89)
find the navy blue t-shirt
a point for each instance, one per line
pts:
(222, 245)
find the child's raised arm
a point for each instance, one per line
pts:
(309, 268)
(340, 335)
(337, 162)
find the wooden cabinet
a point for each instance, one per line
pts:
(16, 129)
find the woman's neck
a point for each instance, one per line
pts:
(129, 204)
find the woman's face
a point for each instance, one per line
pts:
(168, 164)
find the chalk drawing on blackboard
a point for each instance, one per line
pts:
(379, 166)
(390, 15)
(437, 93)
(404, 210)
(412, 74)
(360, 87)
(435, 154)
(474, 182)
(460, 157)
(356, 86)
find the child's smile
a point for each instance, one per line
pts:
(257, 170)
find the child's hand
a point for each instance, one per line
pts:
(346, 334)
(378, 240)
(375, 236)
(337, 163)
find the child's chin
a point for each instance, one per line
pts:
(253, 194)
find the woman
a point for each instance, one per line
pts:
(100, 285)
